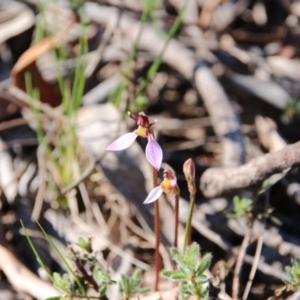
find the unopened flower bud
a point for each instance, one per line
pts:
(189, 170)
(189, 173)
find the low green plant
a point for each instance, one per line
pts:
(190, 272)
(131, 286)
(242, 207)
(86, 272)
(88, 269)
(63, 283)
(291, 113)
(293, 284)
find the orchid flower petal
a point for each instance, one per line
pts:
(154, 152)
(173, 180)
(123, 142)
(154, 195)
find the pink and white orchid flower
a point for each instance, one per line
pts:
(169, 184)
(153, 150)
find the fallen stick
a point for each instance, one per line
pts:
(22, 279)
(223, 180)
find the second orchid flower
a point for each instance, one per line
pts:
(169, 184)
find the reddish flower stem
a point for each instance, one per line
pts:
(157, 234)
(176, 220)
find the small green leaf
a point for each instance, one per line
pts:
(137, 275)
(194, 250)
(167, 273)
(136, 279)
(187, 289)
(125, 283)
(85, 245)
(102, 290)
(241, 206)
(101, 276)
(192, 254)
(62, 282)
(175, 275)
(206, 290)
(144, 290)
(202, 279)
(275, 220)
(179, 276)
(181, 260)
(54, 298)
(130, 286)
(175, 253)
(204, 264)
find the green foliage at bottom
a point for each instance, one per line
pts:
(294, 272)
(131, 286)
(190, 271)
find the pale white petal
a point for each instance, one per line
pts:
(154, 195)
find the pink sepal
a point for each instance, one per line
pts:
(154, 152)
(123, 142)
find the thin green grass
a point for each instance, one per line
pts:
(35, 96)
(141, 101)
(66, 150)
(118, 96)
(67, 265)
(158, 60)
(61, 256)
(38, 258)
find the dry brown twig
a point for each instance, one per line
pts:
(218, 181)
(15, 18)
(206, 13)
(239, 263)
(8, 183)
(224, 118)
(259, 245)
(23, 279)
(42, 170)
(24, 99)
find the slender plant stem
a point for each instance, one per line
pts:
(157, 234)
(239, 263)
(176, 220)
(188, 231)
(259, 245)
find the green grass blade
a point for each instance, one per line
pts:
(38, 258)
(82, 290)
(157, 62)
